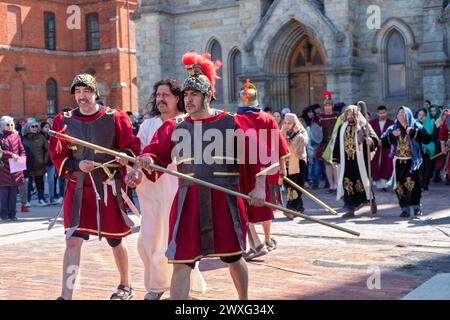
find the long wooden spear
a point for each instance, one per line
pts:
(177, 174)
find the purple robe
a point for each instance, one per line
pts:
(382, 166)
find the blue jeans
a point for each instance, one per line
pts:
(50, 170)
(318, 171)
(8, 198)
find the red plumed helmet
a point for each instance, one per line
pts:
(197, 64)
(327, 93)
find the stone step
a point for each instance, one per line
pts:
(436, 288)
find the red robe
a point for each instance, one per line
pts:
(111, 220)
(382, 165)
(261, 121)
(444, 136)
(188, 239)
(326, 122)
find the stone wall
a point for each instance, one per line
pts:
(355, 54)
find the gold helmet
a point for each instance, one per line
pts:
(248, 95)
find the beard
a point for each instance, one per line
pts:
(162, 107)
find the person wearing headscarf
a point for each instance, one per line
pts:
(351, 152)
(435, 115)
(297, 138)
(428, 149)
(405, 137)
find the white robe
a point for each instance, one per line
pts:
(155, 200)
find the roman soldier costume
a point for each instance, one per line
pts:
(93, 202)
(203, 222)
(250, 117)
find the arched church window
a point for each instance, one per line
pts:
(216, 54)
(396, 64)
(235, 71)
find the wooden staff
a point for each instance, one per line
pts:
(177, 174)
(309, 195)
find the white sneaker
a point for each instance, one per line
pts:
(60, 200)
(42, 203)
(28, 204)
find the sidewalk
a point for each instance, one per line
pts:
(312, 261)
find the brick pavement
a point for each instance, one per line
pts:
(311, 262)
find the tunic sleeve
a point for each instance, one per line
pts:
(160, 148)
(125, 139)
(58, 149)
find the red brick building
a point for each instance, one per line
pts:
(43, 44)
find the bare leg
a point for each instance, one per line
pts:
(71, 266)
(180, 285)
(121, 257)
(266, 227)
(239, 274)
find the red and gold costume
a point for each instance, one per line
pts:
(250, 117)
(203, 222)
(82, 209)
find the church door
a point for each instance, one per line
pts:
(306, 80)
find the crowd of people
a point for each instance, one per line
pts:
(27, 139)
(182, 222)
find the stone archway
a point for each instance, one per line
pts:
(289, 82)
(306, 79)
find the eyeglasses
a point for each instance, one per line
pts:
(9, 124)
(33, 126)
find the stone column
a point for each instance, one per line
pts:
(154, 47)
(433, 57)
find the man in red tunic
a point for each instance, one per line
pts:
(382, 165)
(93, 203)
(326, 121)
(264, 126)
(444, 138)
(203, 222)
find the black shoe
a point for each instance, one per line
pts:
(404, 214)
(384, 189)
(348, 214)
(437, 179)
(418, 213)
(425, 188)
(13, 219)
(60, 298)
